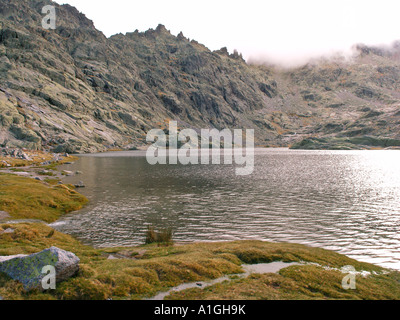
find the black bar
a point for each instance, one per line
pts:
(204, 309)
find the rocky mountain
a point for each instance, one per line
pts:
(72, 89)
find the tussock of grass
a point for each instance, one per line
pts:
(52, 181)
(26, 198)
(160, 268)
(17, 170)
(162, 238)
(43, 173)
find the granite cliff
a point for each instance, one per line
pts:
(74, 90)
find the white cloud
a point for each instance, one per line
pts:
(283, 30)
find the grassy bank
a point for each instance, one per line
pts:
(35, 158)
(143, 271)
(26, 198)
(303, 282)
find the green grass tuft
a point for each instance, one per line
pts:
(162, 238)
(26, 198)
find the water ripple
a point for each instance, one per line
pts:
(347, 201)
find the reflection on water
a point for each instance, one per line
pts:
(347, 201)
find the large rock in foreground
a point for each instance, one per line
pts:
(28, 269)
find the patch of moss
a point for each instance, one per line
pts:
(26, 198)
(52, 182)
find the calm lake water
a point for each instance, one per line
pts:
(347, 201)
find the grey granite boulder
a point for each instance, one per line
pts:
(4, 215)
(28, 269)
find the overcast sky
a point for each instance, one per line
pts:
(280, 30)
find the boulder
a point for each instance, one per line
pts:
(9, 230)
(80, 184)
(4, 215)
(27, 269)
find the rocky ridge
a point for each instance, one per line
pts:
(74, 90)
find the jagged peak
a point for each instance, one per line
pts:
(161, 28)
(182, 37)
(235, 55)
(223, 51)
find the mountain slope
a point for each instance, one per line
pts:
(359, 98)
(72, 89)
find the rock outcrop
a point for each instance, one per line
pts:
(74, 90)
(27, 269)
